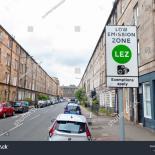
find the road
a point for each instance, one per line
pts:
(31, 126)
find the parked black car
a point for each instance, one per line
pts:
(20, 106)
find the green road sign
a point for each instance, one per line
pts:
(121, 54)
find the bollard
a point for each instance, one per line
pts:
(90, 119)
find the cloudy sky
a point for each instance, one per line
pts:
(47, 32)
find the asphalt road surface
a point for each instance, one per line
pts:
(30, 126)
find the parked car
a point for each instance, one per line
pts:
(68, 127)
(61, 100)
(51, 101)
(26, 103)
(21, 106)
(72, 108)
(41, 104)
(6, 109)
(55, 101)
(73, 100)
(48, 102)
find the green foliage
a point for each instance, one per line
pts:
(102, 110)
(80, 94)
(95, 101)
(42, 97)
(106, 111)
(28, 100)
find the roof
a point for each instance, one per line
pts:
(72, 104)
(71, 117)
(71, 86)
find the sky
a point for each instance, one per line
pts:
(46, 30)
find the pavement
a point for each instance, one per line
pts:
(31, 126)
(106, 128)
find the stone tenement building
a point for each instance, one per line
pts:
(139, 104)
(68, 91)
(20, 75)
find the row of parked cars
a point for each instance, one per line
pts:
(10, 108)
(70, 126)
(43, 103)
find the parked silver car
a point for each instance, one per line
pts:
(69, 127)
(42, 104)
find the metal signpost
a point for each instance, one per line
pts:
(121, 63)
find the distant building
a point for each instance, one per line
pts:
(68, 91)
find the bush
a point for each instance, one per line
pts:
(42, 97)
(95, 101)
(102, 110)
(106, 111)
(28, 100)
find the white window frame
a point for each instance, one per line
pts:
(8, 60)
(14, 81)
(110, 99)
(139, 60)
(136, 14)
(147, 100)
(1, 35)
(7, 77)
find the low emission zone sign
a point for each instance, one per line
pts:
(121, 56)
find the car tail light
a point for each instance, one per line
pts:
(51, 132)
(88, 133)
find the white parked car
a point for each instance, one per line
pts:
(48, 102)
(69, 127)
(41, 104)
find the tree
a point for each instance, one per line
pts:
(80, 94)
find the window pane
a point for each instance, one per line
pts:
(147, 100)
(70, 127)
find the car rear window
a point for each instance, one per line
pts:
(72, 108)
(70, 127)
(72, 100)
(17, 104)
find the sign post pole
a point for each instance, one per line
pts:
(121, 115)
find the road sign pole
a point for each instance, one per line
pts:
(121, 115)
